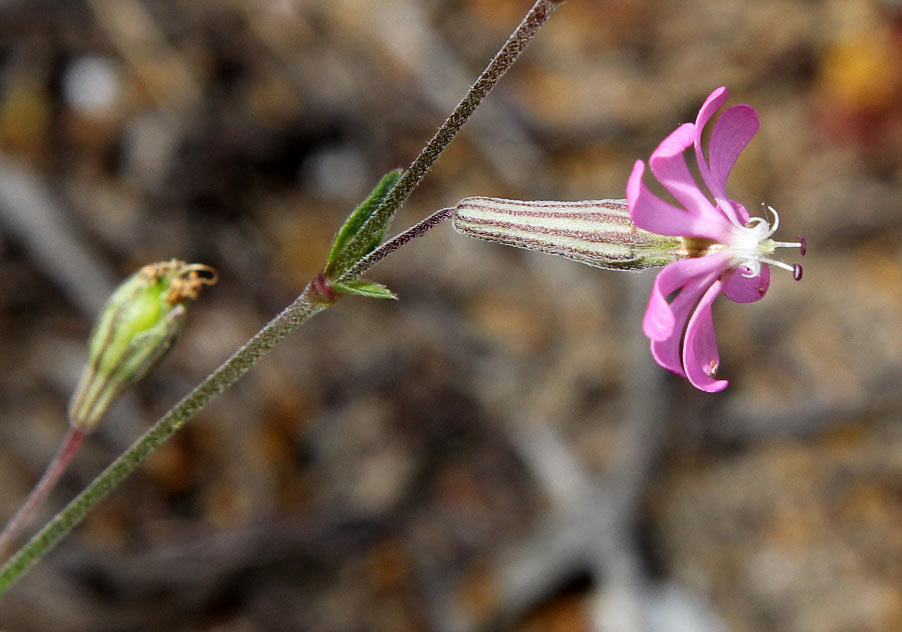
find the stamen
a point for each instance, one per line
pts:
(776, 215)
(788, 244)
(795, 268)
(750, 244)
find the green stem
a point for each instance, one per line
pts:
(396, 242)
(311, 301)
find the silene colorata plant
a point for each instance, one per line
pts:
(706, 245)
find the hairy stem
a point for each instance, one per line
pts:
(396, 242)
(311, 301)
(537, 16)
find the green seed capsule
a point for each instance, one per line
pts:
(137, 326)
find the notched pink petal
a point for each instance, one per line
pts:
(743, 289)
(676, 143)
(700, 357)
(666, 351)
(658, 322)
(713, 103)
(668, 164)
(691, 277)
(651, 213)
(732, 132)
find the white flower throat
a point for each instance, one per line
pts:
(751, 245)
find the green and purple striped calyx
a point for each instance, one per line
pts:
(598, 233)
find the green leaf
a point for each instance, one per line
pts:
(347, 249)
(364, 288)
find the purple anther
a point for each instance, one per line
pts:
(797, 271)
(803, 247)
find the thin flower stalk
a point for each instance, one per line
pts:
(57, 467)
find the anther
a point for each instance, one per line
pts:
(803, 245)
(797, 271)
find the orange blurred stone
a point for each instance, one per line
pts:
(562, 614)
(388, 566)
(172, 466)
(496, 13)
(225, 505)
(860, 89)
(110, 526)
(25, 115)
(479, 593)
(861, 72)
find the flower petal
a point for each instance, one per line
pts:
(743, 289)
(660, 321)
(740, 212)
(666, 352)
(700, 357)
(732, 132)
(713, 103)
(651, 213)
(668, 164)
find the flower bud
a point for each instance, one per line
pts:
(136, 328)
(599, 233)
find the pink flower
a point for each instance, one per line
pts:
(723, 250)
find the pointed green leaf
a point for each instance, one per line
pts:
(364, 288)
(347, 249)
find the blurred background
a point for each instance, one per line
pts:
(497, 450)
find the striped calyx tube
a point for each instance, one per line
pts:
(595, 232)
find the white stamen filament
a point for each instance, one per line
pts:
(774, 262)
(751, 245)
(786, 244)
